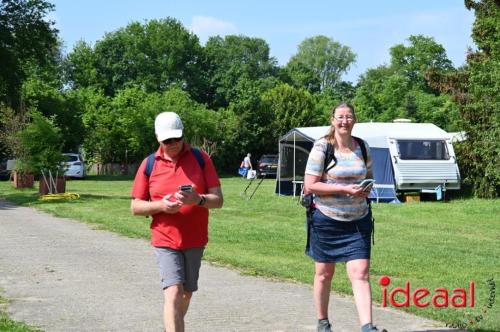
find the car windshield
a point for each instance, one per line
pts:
(70, 158)
(423, 150)
(269, 159)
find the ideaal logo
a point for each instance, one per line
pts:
(440, 298)
(419, 297)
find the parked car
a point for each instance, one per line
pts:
(4, 171)
(268, 164)
(74, 165)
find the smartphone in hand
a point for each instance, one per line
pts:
(367, 184)
(186, 187)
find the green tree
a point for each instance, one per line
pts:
(121, 129)
(289, 107)
(481, 109)
(320, 62)
(299, 75)
(370, 99)
(401, 89)
(11, 122)
(116, 127)
(80, 67)
(326, 100)
(236, 58)
(414, 60)
(154, 56)
(476, 89)
(62, 107)
(97, 120)
(27, 40)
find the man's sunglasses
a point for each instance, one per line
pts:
(172, 140)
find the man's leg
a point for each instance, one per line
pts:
(179, 270)
(185, 302)
(173, 310)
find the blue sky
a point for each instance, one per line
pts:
(370, 28)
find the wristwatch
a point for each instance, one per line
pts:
(202, 201)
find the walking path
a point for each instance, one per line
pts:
(62, 275)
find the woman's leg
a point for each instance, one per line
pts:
(358, 271)
(321, 289)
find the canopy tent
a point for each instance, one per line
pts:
(295, 145)
(294, 150)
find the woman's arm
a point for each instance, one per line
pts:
(312, 184)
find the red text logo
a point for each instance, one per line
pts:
(423, 297)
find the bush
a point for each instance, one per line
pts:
(42, 145)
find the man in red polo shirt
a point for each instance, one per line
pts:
(179, 230)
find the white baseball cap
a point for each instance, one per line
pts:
(168, 125)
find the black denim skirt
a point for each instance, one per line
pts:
(333, 241)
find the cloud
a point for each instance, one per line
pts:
(205, 26)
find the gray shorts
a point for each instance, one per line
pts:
(179, 267)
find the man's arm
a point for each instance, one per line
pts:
(211, 200)
(141, 207)
(214, 199)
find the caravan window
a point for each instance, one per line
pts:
(423, 150)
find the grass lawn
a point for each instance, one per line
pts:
(428, 244)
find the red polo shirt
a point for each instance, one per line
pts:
(187, 228)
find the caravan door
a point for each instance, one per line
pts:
(423, 164)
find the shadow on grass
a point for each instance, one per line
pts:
(107, 178)
(19, 199)
(96, 197)
(24, 199)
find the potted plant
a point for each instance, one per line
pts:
(42, 155)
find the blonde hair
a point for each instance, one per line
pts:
(330, 137)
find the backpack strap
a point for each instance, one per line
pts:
(330, 154)
(365, 158)
(151, 161)
(362, 146)
(149, 164)
(199, 157)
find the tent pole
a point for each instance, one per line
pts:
(279, 168)
(294, 148)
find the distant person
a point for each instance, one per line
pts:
(341, 225)
(179, 229)
(246, 164)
